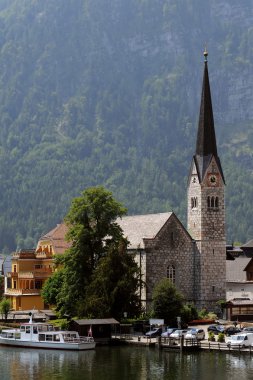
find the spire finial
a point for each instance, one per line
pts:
(205, 54)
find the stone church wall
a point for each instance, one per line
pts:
(172, 246)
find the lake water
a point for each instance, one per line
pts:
(122, 363)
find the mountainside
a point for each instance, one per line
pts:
(107, 92)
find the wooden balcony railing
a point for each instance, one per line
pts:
(17, 292)
(36, 273)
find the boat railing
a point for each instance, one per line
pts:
(80, 339)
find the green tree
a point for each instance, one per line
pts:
(5, 307)
(167, 301)
(92, 231)
(114, 285)
(188, 313)
(52, 286)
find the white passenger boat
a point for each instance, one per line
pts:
(43, 335)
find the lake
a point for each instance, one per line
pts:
(122, 363)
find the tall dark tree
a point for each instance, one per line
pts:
(92, 231)
(114, 285)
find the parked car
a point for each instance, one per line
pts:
(216, 329)
(197, 334)
(247, 329)
(178, 333)
(232, 330)
(240, 340)
(168, 332)
(154, 332)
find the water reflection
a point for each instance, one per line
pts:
(122, 363)
(17, 363)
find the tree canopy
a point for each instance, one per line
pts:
(114, 285)
(5, 307)
(167, 302)
(93, 231)
(52, 286)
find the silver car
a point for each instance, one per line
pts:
(196, 334)
(178, 334)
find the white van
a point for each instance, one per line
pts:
(240, 340)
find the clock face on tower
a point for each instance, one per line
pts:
(213, 179)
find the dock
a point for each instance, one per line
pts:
(171, 345)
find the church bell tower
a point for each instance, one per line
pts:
(206, 206)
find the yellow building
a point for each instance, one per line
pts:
(31, 268)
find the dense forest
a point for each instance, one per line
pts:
(107, 92)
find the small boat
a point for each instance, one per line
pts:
(43, 335)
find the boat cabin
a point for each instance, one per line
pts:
(40, 333)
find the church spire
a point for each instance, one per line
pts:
(206, 147)
(206, 140)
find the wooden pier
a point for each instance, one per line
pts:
(173, 345)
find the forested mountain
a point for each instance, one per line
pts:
(107, 92)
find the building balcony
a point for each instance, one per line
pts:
(24, 254)
(44, 255)
(19, 292)
(35, 274)
(12, 274)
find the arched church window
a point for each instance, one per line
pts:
(171, 273)
(194, 202)
(212, 202)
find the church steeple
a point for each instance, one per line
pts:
(206, 205)
(206, 140)
(206, 147)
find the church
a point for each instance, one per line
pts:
(194, 259)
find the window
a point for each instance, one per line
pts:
(41, 337)
(8, 282)
(38, 284)
(171, 273)
(212, 202)
(194, 202)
